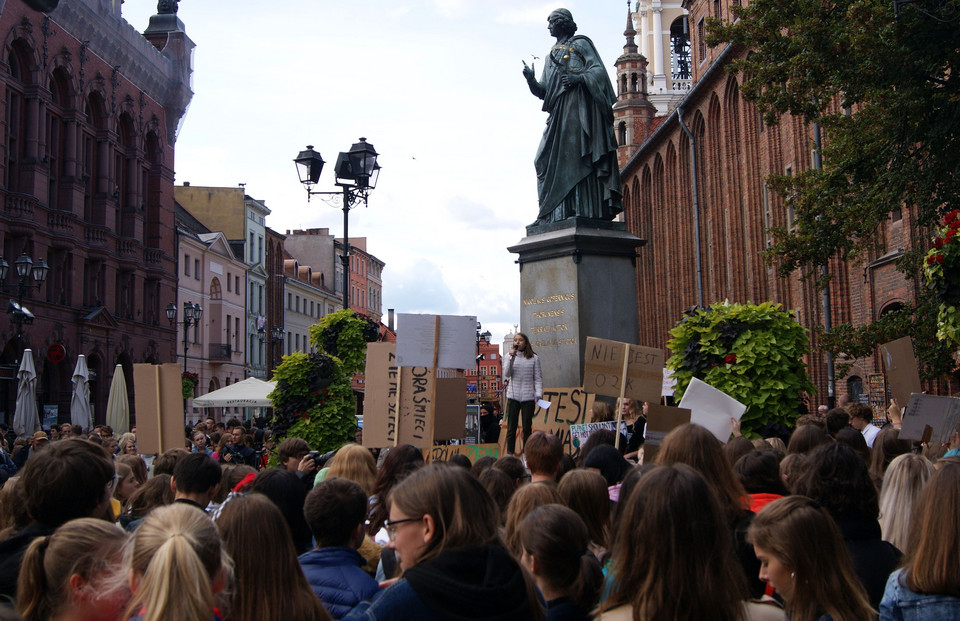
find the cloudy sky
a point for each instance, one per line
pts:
(434, 85)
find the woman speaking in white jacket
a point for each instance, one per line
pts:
(524, 388)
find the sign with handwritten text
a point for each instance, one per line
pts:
(603, 370)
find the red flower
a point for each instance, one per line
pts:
(939, 258)
(730, 359)
(952, 216)
(949, 237)
(955, 225)
(938, 242)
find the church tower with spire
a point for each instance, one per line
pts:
(665, 40)
(633, 111)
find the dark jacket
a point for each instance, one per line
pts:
(335, 576)
(873, 558)
(477, 583)
(11, 556)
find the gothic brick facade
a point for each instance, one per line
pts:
(90, 113)
(730, 203)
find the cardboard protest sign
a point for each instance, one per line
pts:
(450, 413)
(661, 420)
(580, 433)
(712, 408)
(159, 402)
(473, 451)
(455, 341)
(382, 377)
(903, 374)
(940, 414)
(416, 406)
(603, 370)
(569, 406)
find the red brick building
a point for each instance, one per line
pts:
(727, 199)
(90, 114)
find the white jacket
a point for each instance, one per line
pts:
(525, 379)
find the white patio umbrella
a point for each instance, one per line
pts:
(25, 419)
(118, 406)
(80, 411)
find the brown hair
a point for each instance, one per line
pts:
(355, 463)
(13, 508)
(543, 452)
(399, 462)
(696, 447)
(930, 565)
(500, 487)
(523, 501)
(557, 538)
(805, 438)
(585, 492)
(791, 469)
(136, 464)
(167, 460)
(527, 347)
(268, 580)
(156, 492)
(291, 447)
(674, 555)
(802, 535)
(463, 512)
(65, 481)
(601, 412)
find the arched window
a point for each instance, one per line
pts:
(622, 133)
(216, 292)
(16, 115)
(854, 388)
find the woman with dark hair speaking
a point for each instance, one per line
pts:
(524, 388)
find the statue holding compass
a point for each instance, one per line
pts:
(577, 170)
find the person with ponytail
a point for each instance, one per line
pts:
(176, 566)
(71, 574)
(554, 542)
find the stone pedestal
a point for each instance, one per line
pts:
(577, 279)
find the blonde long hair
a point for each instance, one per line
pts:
(87, 546)
(355, 463)
(176, 557)
(903, 482)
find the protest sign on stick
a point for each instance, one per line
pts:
(382, 390)
(568, 406)
(661, 420)
(903, 374)
(444, 452)
(159, 402)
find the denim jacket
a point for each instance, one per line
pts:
(901, 604)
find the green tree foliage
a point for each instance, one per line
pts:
(884, 89)
(752, 352)
(314, 397)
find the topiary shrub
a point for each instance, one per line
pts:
(752, 352)
(314, 398)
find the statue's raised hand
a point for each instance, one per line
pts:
(529, 71)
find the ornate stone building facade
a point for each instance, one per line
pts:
(694, 188)
(90, 115)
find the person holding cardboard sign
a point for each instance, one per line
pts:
(524, 382)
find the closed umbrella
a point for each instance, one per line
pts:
(25, 419)
(80, 411)
(118, 406)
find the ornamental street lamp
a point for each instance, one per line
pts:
(356, 175)
(191, 317)
(27, 269)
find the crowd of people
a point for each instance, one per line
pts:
(835, 521)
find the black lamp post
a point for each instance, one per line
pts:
(191, 317)
(276, 337)
(27, 269)
(356, 175)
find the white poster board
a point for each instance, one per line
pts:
(456, 341)
(711, 408)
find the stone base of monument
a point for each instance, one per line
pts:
(576, 281)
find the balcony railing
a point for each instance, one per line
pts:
(220, 352)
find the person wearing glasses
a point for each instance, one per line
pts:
(443, 528)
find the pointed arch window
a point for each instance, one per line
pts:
(680, 49)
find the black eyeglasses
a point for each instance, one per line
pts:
(391, 525)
